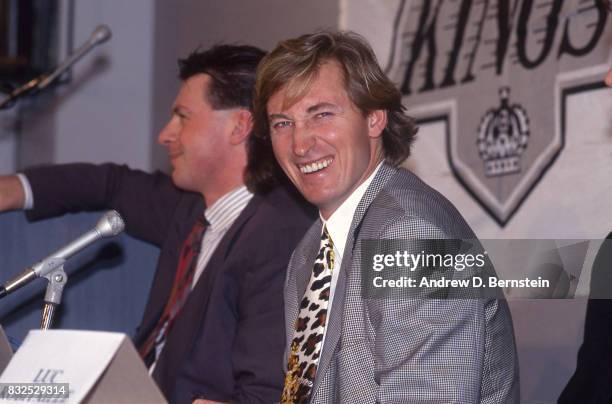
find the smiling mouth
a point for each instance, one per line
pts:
(315, 166)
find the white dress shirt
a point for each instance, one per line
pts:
(338, 226)
(28, 201)
(220, 217)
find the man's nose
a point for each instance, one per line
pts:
(168, 134)
(303, 140)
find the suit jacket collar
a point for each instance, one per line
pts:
(334, 324)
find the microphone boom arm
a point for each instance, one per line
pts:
(100, 35)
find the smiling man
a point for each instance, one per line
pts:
(337, 128)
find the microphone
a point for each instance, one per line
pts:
(100, 35)
(109, 225)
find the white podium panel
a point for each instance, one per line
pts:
(95, 367)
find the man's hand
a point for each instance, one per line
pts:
(11, 193)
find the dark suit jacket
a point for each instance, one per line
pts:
(227, 342)
(591, 382)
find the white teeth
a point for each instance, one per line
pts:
(316, 166)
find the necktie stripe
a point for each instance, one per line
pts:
(179, 293)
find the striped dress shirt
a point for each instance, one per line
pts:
(220, 217)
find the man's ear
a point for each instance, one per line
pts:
(243, 125)
(377, 121)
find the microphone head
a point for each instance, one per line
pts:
(110, 224)
(101, 34)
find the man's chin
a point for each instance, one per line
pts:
(323, 202)
(179, 181)
(185, 185)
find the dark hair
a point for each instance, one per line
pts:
(232, 69)
(294, 64)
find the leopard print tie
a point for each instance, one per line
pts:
(310, 327)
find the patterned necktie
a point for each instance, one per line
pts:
(310, 327)
(181, 287)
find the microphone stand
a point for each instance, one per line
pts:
(53, 297)
(57, 279)
(52, 267)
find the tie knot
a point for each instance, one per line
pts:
(328, 244)
(197, 233)
(202, 222)
(325, 236)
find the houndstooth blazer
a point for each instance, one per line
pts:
(405, 350)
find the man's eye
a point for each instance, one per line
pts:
(281, 125)
(323, 114)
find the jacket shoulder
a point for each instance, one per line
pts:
(405, 197)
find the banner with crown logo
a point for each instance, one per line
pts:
(497, 75)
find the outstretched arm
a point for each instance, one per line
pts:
(146, 201)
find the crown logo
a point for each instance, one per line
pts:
(502, 137)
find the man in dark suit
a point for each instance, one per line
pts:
(212, 330)
(590, 383)
(338, 130)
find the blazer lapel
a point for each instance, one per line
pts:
(298, 278)
(303, 277)
(161, 288)
(203, 288)
(334, 325)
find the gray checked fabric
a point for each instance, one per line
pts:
(310, 327)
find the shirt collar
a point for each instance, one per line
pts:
(227, 208)
(339, 222)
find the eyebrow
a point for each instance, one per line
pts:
(320, 106)
(310, 110)
(179, 109)
(278, 116)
